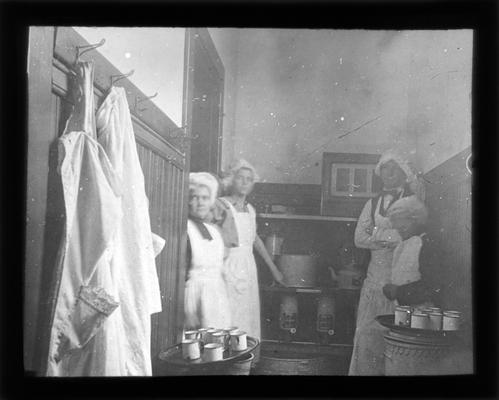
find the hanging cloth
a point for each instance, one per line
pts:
(134, 250)
(83, 338)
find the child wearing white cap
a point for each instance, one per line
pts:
(408, 216)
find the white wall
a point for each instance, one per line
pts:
(155, 54)
(440, 95)
(298, 91)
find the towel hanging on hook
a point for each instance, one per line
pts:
(140, 100)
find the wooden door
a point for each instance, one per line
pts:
(164, 157)
(206, 73)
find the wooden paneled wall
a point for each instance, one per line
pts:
(448, 197)
(162, 180)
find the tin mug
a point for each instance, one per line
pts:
(203, 332)
(419, 320)
(218, 337)
(213, 352)
(194, 334)
(451, 322)
(238, 341)
(191, 349)
(402, 316)
(230, 329)
(227, 331)
(435, 321)
(209, 334)
(454, 313)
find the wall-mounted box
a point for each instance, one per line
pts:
(348, 180)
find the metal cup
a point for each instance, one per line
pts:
(213, 352)
(191, 349)
(193, 334)
(419, 320)
(402, 316)
(209, 334)
(435, 322)
(238, 341)
(227, 332)
(219, 337)
(451, 321)
(203, 333)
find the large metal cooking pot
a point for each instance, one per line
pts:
(298, 270)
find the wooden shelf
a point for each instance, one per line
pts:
(307, 217)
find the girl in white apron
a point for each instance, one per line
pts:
(237, 219)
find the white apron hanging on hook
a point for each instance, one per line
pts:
(85, 333)
(136, 246)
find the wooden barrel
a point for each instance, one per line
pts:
(414, 355)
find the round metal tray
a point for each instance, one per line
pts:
(388, 321)
(173, 355)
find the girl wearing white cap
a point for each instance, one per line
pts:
(237, 219)
(206, 302)
(374, 232)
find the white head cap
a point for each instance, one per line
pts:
(204, 179)
(404, 164)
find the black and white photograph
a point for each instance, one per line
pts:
(248, 201)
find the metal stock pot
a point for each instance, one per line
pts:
(298, 270)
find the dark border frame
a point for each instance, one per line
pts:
(480, 15)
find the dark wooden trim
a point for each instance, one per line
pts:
(40, 137)
(187, 123)
(211, 50)
(220, 125)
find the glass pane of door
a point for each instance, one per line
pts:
(360, 180)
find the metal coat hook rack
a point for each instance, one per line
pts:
(139, 100)
(80, 50)
(119, 77)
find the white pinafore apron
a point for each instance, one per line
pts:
(368, 348)
(241, 275)
(205, 302)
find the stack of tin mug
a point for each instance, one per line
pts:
(432, 318)
(210, 343)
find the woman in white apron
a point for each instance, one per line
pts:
(373, 231)
(206, 304)
(237, 218)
